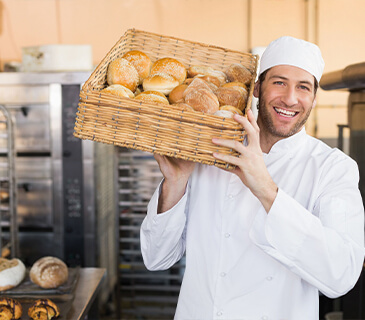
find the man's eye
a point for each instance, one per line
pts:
(304, 88)
(280, 83)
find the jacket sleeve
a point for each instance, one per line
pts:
(162, 235)
(324, 247)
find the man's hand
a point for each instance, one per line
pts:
(176, 173)
(250, 165)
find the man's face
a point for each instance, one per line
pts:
(286, 98)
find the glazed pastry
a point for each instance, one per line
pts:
(43, 309)
(11, 304)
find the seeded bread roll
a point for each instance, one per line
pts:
(141, 62)
(118, 90)
(121, 71)
(12, 273)
(170, 66)
(49, 272)
(152, 96)
(238, 72)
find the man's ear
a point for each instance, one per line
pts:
(256, 89)
(314, 103)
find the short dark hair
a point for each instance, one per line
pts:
(263, 75)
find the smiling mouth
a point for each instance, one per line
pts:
(285, 113)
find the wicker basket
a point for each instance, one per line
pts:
(157, 128)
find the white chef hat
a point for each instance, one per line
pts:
(294, 52)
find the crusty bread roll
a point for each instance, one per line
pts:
(161, 82)
(234, 96)
(212, 79)
(207, 71)
(197, 84)
(176, 95)
(121, 71)
(231, 109)
(238, 72)
(118, 90)
(141, 62)
(202, 100)
(49, 272)
(170, 66)
(13, 305)
(12, 273)
(152, 96)
(234, 84)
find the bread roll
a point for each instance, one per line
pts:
(13, 305)
(141, 62)
(234, 96)
(176, 95)
(49, 272)
(207, 71)
(212, 79)
(12, 273)
(224, 113)
(170, 66)
(231, 109)
(152, 96)
(118, 90)
(202, 100)
(238, 72)
(161, 82)
(235, 84)
(197, 84)
(121, 71)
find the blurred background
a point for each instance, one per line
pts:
(116, 183)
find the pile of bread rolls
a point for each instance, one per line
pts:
(167, 81)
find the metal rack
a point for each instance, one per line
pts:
(143, 294)
(8, 190)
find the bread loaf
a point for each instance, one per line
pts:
(49, 272)
(12, 273)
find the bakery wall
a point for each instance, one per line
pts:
(336, 25)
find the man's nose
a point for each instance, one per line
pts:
(290, 97)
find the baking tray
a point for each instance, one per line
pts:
(28, 292)
(28, 288)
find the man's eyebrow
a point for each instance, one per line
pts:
(285, 78)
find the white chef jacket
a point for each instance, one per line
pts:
(242, 263)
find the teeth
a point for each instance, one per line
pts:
(285, 112)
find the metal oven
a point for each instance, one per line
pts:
(66, 203)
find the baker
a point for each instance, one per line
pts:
(263, 240)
